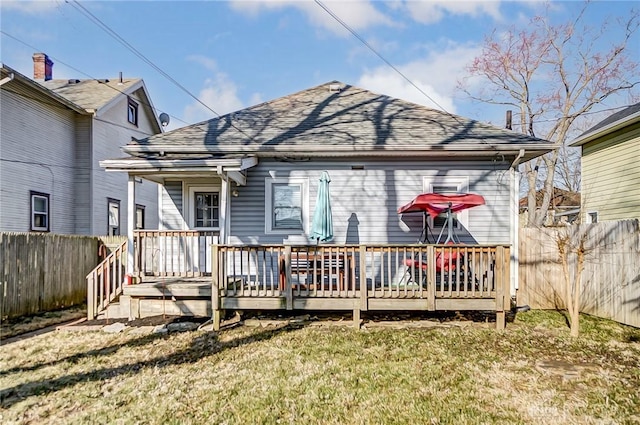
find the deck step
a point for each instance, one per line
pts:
(113, 311)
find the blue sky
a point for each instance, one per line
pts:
(238, 53)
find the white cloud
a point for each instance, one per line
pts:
(436, 75)
(31, 7)
(358, 14)
(256, 99)
(208, 63)
(219, 93)
(429, 12)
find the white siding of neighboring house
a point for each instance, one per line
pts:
(35, 132)
(611, 176)
(111, 131)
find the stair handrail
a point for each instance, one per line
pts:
(105, 281)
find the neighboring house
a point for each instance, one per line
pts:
(610, 167)
(53, 135)
(251, 177)
(564, 208)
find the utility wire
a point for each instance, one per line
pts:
(148, 61)
(363, 41)
(58, 60)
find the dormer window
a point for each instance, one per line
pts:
(132, 112)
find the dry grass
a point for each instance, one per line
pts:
(21, 325)
(531, 373)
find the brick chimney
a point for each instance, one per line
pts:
(42, 67)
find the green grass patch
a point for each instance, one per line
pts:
(531, 373)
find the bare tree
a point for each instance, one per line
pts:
(572, 254)
(552, 75)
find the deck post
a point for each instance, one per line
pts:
(288, 288)
(91, 297)
(500, 289)
(364, 289)
(215, 287)
(356, 317)
(131, 222)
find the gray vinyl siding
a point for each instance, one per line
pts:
(171, 201)
(111, 131)
(365, 202)
(38, 154)
(83, 200)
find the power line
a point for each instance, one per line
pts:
(58, 60)
(44, 164)
(84, 11)
(584, 113)
(363, 41)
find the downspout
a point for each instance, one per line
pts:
(515, 221)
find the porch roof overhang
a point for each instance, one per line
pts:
(156, 168)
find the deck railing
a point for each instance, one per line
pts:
(386, 271)
(173, 252)
(104, 283)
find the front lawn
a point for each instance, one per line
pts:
(531, 373)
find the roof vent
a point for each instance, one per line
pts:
(335, 88)
(103, 80)
(73, 81)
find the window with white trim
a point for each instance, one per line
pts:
(39, 211)
(113, 212)
(203, 209)
(139, 216)
(592, 217)
(448, 186)
(286, 205)
(132, 111)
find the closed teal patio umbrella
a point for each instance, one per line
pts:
(322, 229)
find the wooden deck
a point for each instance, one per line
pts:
(336, 278)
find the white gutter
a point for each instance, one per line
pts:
(7, 79)
(516, 161)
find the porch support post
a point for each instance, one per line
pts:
(225, 206)
(131, 223)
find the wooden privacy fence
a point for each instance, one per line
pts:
(611, 276)
(43, 272)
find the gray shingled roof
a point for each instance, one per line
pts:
(618, 116)
(350, 120)
(89, 94)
